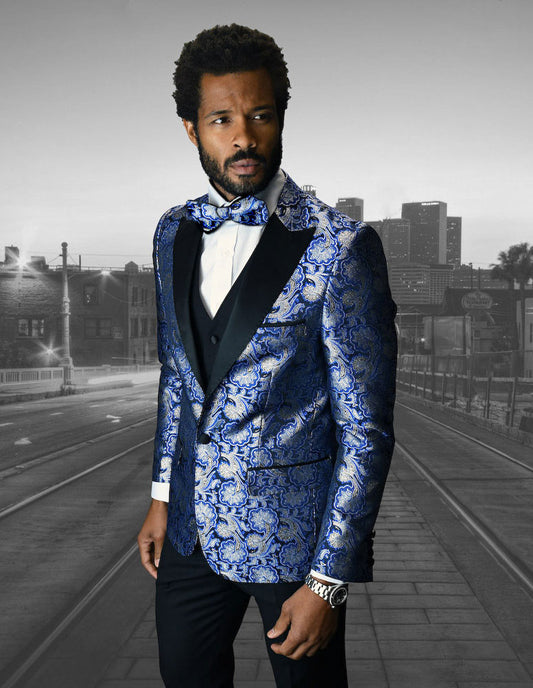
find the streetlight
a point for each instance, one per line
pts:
(66, 361)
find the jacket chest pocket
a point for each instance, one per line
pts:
(282, 337)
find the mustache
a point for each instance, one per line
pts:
(244, 155)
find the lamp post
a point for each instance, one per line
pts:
(66, 361)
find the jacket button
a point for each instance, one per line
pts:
(204, 438)
(214, 339)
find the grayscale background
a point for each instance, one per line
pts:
(392, 101)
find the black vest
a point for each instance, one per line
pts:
(207, 331)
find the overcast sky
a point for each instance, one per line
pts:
(392, 101)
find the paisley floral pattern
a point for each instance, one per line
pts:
(247, 211)
(300, 428)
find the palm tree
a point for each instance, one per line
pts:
(516, 265)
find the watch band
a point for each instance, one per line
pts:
(334, 595)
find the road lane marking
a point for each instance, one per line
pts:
(57, 413)
(33, 498)
(23, 440)
(72, 615)
(13, 470)
(4, 425)
(484, 534)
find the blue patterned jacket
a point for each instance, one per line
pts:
(279, 465)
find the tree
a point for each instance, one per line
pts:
(516, 266)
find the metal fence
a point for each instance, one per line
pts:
(10, 376)
(505, 400)
(23, 376)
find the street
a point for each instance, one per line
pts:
(53, 547)
(452, 601)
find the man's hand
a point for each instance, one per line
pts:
(151, 536)
(312, 624)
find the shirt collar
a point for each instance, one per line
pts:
(270, 194)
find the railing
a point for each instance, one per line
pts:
(99, 371)
(506, 400)
(25, 375)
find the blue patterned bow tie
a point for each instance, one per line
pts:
(244, 211)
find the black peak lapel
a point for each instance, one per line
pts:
(186, 246)
(270, 266)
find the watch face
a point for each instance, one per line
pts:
(339, 597)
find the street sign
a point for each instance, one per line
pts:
(479, 300)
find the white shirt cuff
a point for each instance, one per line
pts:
(326, 578)
(161, 491)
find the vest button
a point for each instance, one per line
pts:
(214, 339)
(204, 438)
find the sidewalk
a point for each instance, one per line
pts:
(43, 389)
(419, 625)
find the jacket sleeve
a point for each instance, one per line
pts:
(359, 341)
(169, 395)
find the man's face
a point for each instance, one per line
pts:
(238, 134)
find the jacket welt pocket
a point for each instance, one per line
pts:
(284, 323)
(281, 466)
(291, 483)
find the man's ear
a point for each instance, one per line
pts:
(191, 131)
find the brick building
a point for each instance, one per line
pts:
(112, 321)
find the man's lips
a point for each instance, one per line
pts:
(247, 166)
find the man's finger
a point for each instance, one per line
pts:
(158, 546)
(281, 625)
(292, 645)
(145, 550)
(292, 648)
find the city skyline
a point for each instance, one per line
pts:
(392, 102)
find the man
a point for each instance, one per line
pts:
(277, 346)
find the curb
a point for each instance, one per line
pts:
(78, 389)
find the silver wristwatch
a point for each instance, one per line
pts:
(335, 595)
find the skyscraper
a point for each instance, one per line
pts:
(453, 241)
(353, 207)
(428, 231)
(309, 188)
(409, 283)
(395, 235)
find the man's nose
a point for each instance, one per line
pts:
(244, 136)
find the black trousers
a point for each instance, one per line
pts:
(198, 615)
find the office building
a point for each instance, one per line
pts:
(440, 278)
(409, 283)
(428, 231)
(453, 241)
(416, 283)
(353, 207)
(395, 234)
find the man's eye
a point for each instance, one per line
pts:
(220, 120)
(265, 116)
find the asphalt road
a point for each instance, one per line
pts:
(53, 549)
(31, 429)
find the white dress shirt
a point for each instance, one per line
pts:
(225, 252)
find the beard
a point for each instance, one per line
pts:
(244, 186)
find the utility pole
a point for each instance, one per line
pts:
(66, 361)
